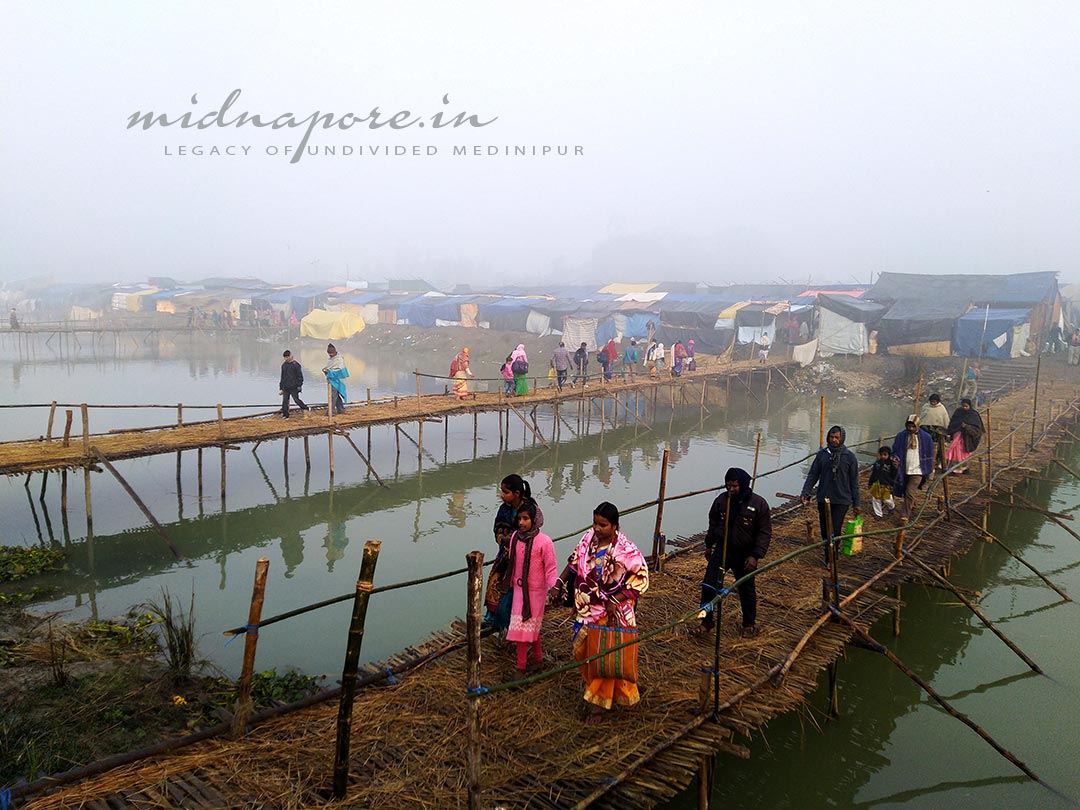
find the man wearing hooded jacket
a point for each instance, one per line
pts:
(748, 530)
(835, 471)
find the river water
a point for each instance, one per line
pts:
(889, 748)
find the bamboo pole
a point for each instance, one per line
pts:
(223, 451)
(899, 554)
(363, 458)
(1018, 558)
(352, 662)
(180, 414)
(989, 446)
(138, 501)
(656, 549)
(86, 471)
(918, 392)
(307, 455)
(718, 612)
(242, 709)
(971, 606)
(220, 422)
(330, 420)
(475, 561)
(831, 551)
(67, 427)
(1035, 400)
(963, 718)
(1036, 508)
(757, 452)
(52, 416)
(821, 424)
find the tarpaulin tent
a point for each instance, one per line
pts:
(754, 320)
(330, 325)
(505, 314)
(577, 330)
(845, 324)
(922, 327)
(992, 333)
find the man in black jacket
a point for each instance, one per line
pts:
(748, 530)
(292, 380)
(835, 471)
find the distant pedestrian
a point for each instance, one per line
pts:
(560, 361)
(658, 356)
(612, 353)
(336, 373)
(935, 418)
(691, 363)
(292, 380)
(507, 375)
(629, 359)
(882, 480)
(460, 372)
(581, 364)
(763, 348)
(678, 352)
(519, 364)
(964, 433)
(13, 319)
(913, 449)
(650, 359)
(1074, 347)
(740, 528)
(835, 471)
(605, 363)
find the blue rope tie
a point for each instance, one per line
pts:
(249, 629)
(826, 584)
(707, 607)
(715, 589)
(610, 780)
(710, 671)
(390, 679)
(477, 690)
(5, 799)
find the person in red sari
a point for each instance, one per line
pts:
(610, 573)
(964, 433)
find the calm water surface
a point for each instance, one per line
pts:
(890, 747)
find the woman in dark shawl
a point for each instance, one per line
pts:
(964, 433)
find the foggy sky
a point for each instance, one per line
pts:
(722, 141)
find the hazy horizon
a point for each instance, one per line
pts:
(710, 143)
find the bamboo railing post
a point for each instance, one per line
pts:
(918, 391)
(475, 561)
(899, 552)
(242, 709)
(180, 414)
(307, 455)
(86, 469)
(821, 423)
(52, 416)
(220, 423)
(223, 451)
(330, 420)
(757, 452)
(67, 427)
(1035, 400)
(656, 550)
(352, 662)
(718, 614)
(831, 550)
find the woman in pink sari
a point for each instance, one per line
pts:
(609, 574)
(964, 433)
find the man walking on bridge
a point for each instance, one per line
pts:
(835, 471)
(292, 380)
(740, 528)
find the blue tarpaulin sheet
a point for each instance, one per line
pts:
(996, 341)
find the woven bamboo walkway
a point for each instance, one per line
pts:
(35, 455)
(408, 738)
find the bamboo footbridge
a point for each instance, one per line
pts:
(58, 449)
(445, 724)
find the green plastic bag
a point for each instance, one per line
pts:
(852, 545)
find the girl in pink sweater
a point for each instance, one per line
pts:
(532, 571)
